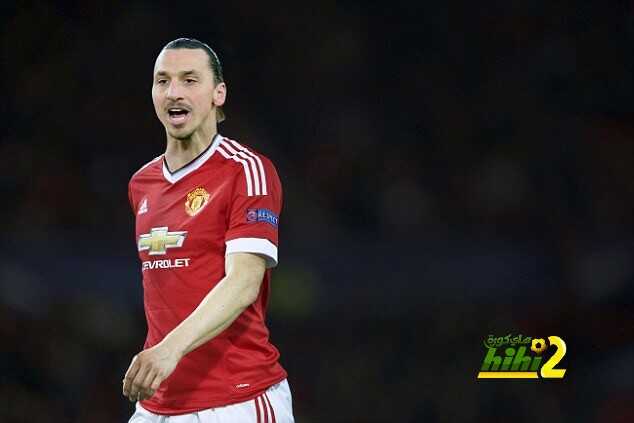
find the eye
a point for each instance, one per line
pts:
(190, 80)
(161, 81)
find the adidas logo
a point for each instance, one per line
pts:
(143, 208)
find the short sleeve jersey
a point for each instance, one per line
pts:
(225, 201)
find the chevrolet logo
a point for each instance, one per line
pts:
(159, 240)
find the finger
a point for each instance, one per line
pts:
(143, 395)
(130, 375)
(133, 367)
(136, 386)
(152, 384)
(156, 383)
(146, 390)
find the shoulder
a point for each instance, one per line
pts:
(231, 149)
(148, 167)
(254, 169)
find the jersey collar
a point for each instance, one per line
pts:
(176, 176)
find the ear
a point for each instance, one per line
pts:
(219, 95)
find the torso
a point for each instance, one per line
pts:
(182, 221)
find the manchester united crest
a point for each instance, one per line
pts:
(196, 200)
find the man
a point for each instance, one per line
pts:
(206, 228)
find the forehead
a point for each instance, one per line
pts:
(173, 61)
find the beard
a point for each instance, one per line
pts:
(181, 134)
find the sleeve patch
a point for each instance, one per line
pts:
(262, 215)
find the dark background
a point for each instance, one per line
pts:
(451, 170)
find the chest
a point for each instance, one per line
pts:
(190, 215)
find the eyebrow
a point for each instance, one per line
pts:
(181, 73)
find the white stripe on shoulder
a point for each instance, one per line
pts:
(254, 169)
(257, 159)
(147, 164)
(245, 166)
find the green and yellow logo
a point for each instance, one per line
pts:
(160, 239)
(520, 357)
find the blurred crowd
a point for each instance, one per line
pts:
(449, 171)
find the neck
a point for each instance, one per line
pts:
(179, 152)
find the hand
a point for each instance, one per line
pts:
(147, 370)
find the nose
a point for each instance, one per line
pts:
(174, 91)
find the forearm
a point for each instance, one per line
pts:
(213, 315)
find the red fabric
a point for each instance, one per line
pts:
(240, 363)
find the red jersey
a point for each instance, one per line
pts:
(226, 200)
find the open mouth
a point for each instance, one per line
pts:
(177, 115)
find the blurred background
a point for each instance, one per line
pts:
(451, 171)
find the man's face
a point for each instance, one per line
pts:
(184, 92)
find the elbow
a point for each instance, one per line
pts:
(250, 292)
(245, 273)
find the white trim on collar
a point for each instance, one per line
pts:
(174, 177)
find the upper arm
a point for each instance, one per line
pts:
(130, 198)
